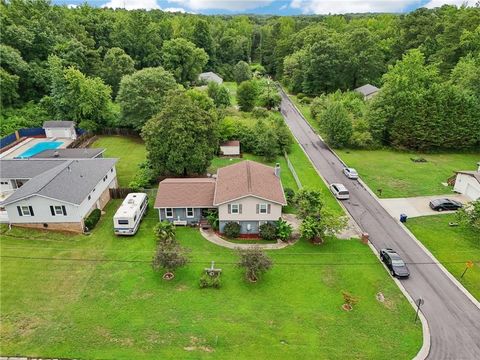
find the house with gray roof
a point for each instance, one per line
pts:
(55, 194)
(368, 91)
(77, 153)
(60, 129)
(210, 76)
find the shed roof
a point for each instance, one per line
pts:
(188, 192)
(210, 76)
(367, 89)
(58, 124)
(231, 143)
(474, 174)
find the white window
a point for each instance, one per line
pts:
(169, 212)
(25, 210)
(262, 209)
(189, 212)
(235, 208)
(58, 210)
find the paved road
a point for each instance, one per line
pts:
(454, 321)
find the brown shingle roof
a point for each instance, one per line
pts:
(231, 143)
(190, 192)
(248, 178)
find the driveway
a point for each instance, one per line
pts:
(417, 206)
(453, 319)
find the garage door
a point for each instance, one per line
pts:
(472, 192)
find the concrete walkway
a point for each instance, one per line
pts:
(211, 236)
(417, 206)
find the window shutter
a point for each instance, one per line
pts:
(229, 208)
(31, 211)
(258, 208)
(52, 210)
(240, 208)
(19, 211)
(64, 210)
(268, 208)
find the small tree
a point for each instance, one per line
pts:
(219, 94)
(247, 95)
(242, 72)
(469, 215)
(212, 218)
(314, 228)
(165, 233)
(309, 203)
(284, 230)
(255, 262)
(169, 258)
(268, 231)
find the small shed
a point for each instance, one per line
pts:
(210, 76)
(60, 129)
(368, 91)
(468, 184)
(230, 148)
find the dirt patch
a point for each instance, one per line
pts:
(107, 335)
(329, 277)
(13, 327)
(181, 288)
(198, 344)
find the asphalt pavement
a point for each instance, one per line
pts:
(453, 319)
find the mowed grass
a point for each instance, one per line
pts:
(452, 246)
(398, 176)
(97, 297)
(130, 152)
(232, 89)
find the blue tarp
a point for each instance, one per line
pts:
(7, 140)
(31, 132)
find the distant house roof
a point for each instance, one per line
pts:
(58, 124)
(25, 168)
(367, 89)
(66, 180)
(248, 178)
(474, 174)
(193, 192)
(231, 143)
(89, 153)
(210, 76)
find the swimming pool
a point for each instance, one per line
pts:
(37, 148)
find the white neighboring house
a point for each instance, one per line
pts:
(60, 129)
(368, 91)
(210, 76)
(230, 148)
(55, 194)
(468, 183)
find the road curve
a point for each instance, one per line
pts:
(453, 320)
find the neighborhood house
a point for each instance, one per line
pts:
(60, 129)
(368, 91)
(468, 183)
(56, 194)
(248, 193)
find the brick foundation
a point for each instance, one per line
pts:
(67, 227)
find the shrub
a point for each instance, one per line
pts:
(284, 230)
(268, 231)
(300, 96)
(207, 281)
(289, 195)
(231, 229)
(212, 218)
(165, 233)
(260, 113)
(92, 219)
(143, 178)
(169, 257)
(255, 262)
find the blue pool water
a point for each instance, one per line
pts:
(35, 149)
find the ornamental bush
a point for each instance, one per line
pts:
(207, 281)
(92, 219)
(268, 231)
(231, 229)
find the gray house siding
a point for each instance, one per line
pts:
(181, 214)
(254, 226)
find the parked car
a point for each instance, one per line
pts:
(339, 191)
(445, 204)
(394, 263)
(350, 173)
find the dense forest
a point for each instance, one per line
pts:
(104, 67)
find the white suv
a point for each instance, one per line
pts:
(350, 173)
(340, 191)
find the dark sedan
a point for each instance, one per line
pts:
(445, 204)
(394, 263)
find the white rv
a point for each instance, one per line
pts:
(128, 216)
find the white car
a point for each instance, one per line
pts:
(350, 173)
(340, 191)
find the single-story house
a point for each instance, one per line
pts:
(210, 76)
(60, 129)
(230, 148)
(77, 153)
(468, 183)
(368, 91)
(55, 194)
(247, 192)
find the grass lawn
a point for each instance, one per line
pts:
(130, 152)
(232, 88)
(57, 303)
(398, 176)
(452, 246)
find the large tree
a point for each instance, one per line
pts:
(182, 138)
(242, 72)
(183, 59)
(116, 64)
(247, 95)
(141, 95)
(337, 124)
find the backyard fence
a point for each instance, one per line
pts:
(118, 131)
(120, 193)
(82, 141)
(32, 132)
(7, 140)
(294, 173)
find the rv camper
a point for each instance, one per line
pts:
(128, 216)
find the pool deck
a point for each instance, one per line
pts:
(28, 143)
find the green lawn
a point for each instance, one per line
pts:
(232, 88)
(56, 303)
(452, 246)
(130, 152)
(398, 176)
